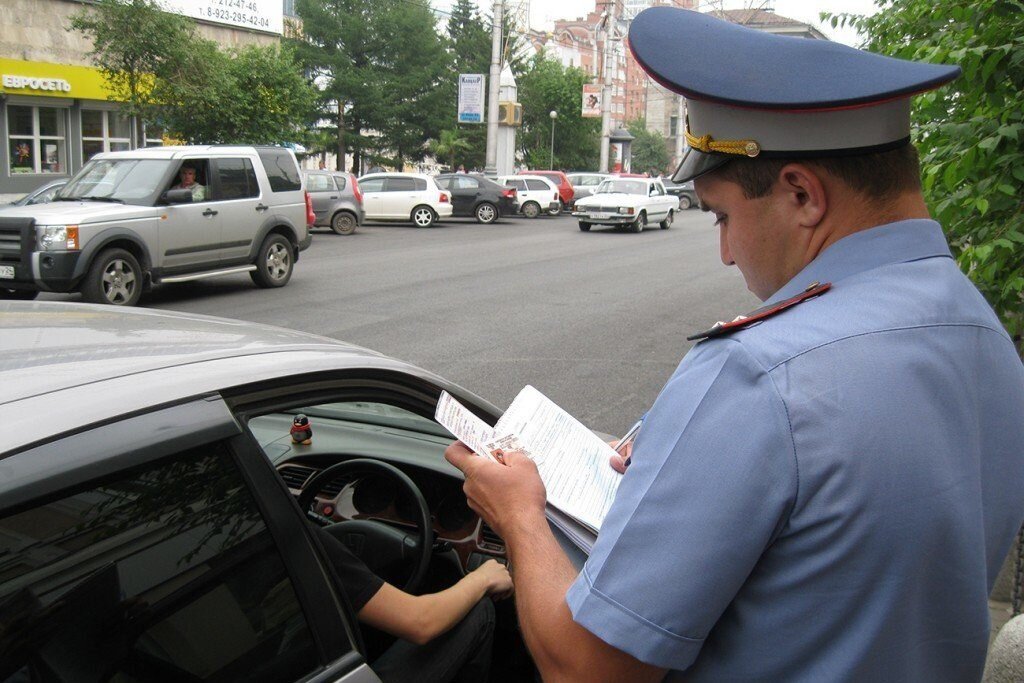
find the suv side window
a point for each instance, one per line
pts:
(166, 572)
(236, 179)
(534, 184)
(281, 169)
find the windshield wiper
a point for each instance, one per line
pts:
(93, 198)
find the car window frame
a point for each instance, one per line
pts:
(102, 452)
(330, 185)
(214, 188)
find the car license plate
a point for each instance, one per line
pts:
(600, 215)
(7, 272)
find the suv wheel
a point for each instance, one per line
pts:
(486, 213)
(531, 209)
(114, 278)
(18, 294)
(274, 263)
(423, 216)
(343, 223)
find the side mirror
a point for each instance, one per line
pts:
(177, 196)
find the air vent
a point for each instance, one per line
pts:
(489, 539)
(295, 475)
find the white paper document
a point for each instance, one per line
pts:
(572, 460)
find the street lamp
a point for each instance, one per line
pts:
(553, 115)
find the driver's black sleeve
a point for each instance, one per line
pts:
(358, 582)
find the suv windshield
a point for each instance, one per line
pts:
(622, 186)
(128, 181)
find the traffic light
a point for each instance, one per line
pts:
(510, 113)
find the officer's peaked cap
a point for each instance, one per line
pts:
(752, 93)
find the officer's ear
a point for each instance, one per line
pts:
(804, 194)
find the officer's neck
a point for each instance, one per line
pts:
(851, 212)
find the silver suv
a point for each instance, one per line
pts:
(125, 222)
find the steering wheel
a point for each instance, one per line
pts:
(377, 544)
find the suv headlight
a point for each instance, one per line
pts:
(57, 237)
(628, 210)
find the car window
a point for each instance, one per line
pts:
(131, 181)
(517, 183)
(622, 186)
(281, 169)
(402, 184)
(340, 181)
(444, 182)
(237, 179)
(167, 572)
(371, 184)
(656, 190)
(319, 182)
(466, 183)
(591, 180)
(534, 184)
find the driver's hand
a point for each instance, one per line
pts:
(620, 461)
(499, 581)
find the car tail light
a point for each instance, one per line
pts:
(510, 193)
(355, 188)
(444, 198)
(310, 216)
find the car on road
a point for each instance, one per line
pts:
(337, 201)
(412, 197)
(476, 196)
(565, 188)
(684, 191)
(42, 194)
(584, 184)
(627, 202)
(159, 513)
(536, 194)
(121, 224)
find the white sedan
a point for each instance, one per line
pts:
(632, 202)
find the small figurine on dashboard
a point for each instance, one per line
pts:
(302, 431)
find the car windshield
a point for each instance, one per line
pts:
(127, 181)
(622, 187)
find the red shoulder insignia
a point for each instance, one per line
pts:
(743, 321)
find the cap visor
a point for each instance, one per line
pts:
(696, 163)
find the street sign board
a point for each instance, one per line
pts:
(256, 15)
(471, 97)
(591, 100)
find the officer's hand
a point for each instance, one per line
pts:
(509, 496)
(619, 461)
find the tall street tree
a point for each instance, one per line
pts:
(969, 133)
(469, 43)
(549, 86)
(650, 155)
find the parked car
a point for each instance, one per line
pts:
(337, 200)
(632, 202)
(684, 191)
(565, 188)
(42, 194)
(584, 184)
(120, 225)
(536, 194)
(404, 197)
(149, 501)
(476, 196)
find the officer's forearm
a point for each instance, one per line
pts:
(562, 649)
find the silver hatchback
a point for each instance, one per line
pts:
(337, 201)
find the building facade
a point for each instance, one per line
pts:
(55, 110)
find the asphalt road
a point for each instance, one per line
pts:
(597, 321)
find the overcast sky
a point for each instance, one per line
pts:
(543, 13)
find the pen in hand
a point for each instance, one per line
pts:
(629, 437)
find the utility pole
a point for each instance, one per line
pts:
(680, 127)
(491, 162)
(606, 91)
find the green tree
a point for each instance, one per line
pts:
(649, 150)
(135, 45)
(381, 66)
(449, 146)
(969, 132)
(548, 86)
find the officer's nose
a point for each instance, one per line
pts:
(723, 246)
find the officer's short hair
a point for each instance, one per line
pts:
(879, 175)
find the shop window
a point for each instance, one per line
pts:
(104, 131)
(36, 136)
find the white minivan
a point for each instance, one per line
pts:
(404, 197)
(536, 194)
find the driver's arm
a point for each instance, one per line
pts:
(421, 618)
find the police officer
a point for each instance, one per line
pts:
(825, 488)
